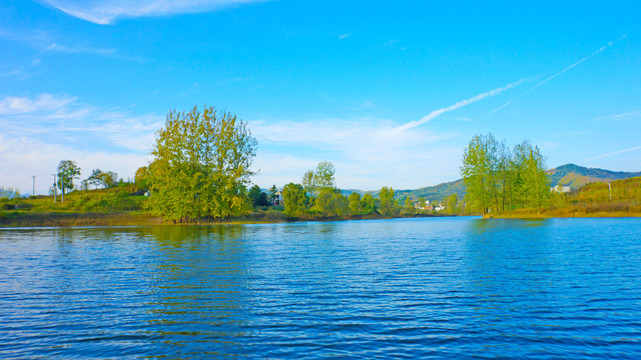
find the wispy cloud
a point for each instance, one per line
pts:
(614, 153)
(343, 36)
(107, 12)
(50, 117)
(39, 131)
(621, 117)
(366, 152)
(557, 74)
(458, 105)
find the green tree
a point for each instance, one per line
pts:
(201, 166)
(388, 206)
(142, 178)
(67, 171)
(273, 194)
(324, 175)
(354, 202)
(409, 206)
(533, 184)
(294, 199)
(421, 202)
(452, 204)
(330, 202)
(309, 183)
(258, 197)
(369, 204)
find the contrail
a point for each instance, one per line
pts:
(614, 153)
(557, 74)
(460, 104)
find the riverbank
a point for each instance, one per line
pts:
(583, 211)
(144, 218)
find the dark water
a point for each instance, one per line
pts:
(406, 288)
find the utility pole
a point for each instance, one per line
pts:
(55, 188)
(610, 190)
(33, 193)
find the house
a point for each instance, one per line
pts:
(560, 189)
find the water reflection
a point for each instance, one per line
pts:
(199, 293)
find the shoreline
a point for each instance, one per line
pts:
(20, 219)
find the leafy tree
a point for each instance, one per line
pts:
(409, 206)
(294, 199)
(309, 183)
(388, 205)
(67, 171)
(324, 175)
(369, 204)
(421, 202)
(107, 179)
(330, 202)
(452, 203)
(273, 194)
(258, 197)
(201, 165)
(354, 202)
(142, 178)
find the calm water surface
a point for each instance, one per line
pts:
(405, 288)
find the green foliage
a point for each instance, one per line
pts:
(294, 199)
(67, 171)
(452, 204)
(9, 192)
(142, 178)
(499, 179)
(107, 179)
(258, 197)
(273, 194)
(409, 206)
(320, 178)
(355, 203)
(388, 206)
(201, 166)
(331, 203)
(369, 204)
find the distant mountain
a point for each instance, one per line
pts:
(436, 192)
(576, 176)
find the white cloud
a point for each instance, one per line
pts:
(367, 153)
(40, 131)
(106, 12)
(22, 157)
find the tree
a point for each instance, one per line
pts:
(309, 183)
(409, 206)
(324, 175)
(354, 202)
(421, 202)
(294, 199)
(388, 205)
(273, 194)
(107, 179)
(533, 187)
(331, 202)
(142, 178)
(67, 171)
(201, 166)
(452, 203)
(258, 197)
(369, 204)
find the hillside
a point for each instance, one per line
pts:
(576, 176)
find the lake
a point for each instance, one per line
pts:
(405, 288)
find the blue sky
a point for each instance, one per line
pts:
(390, 92)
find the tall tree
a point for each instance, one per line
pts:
(388, 205)
(354, 202)
(294, 199)
(67, 171)
(201, 165)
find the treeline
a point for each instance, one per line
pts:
(317, 196)
(500, 179)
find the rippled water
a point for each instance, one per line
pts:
(405, 288)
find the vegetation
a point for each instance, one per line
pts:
(498, 179)
(201, 166)
(67, 171)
